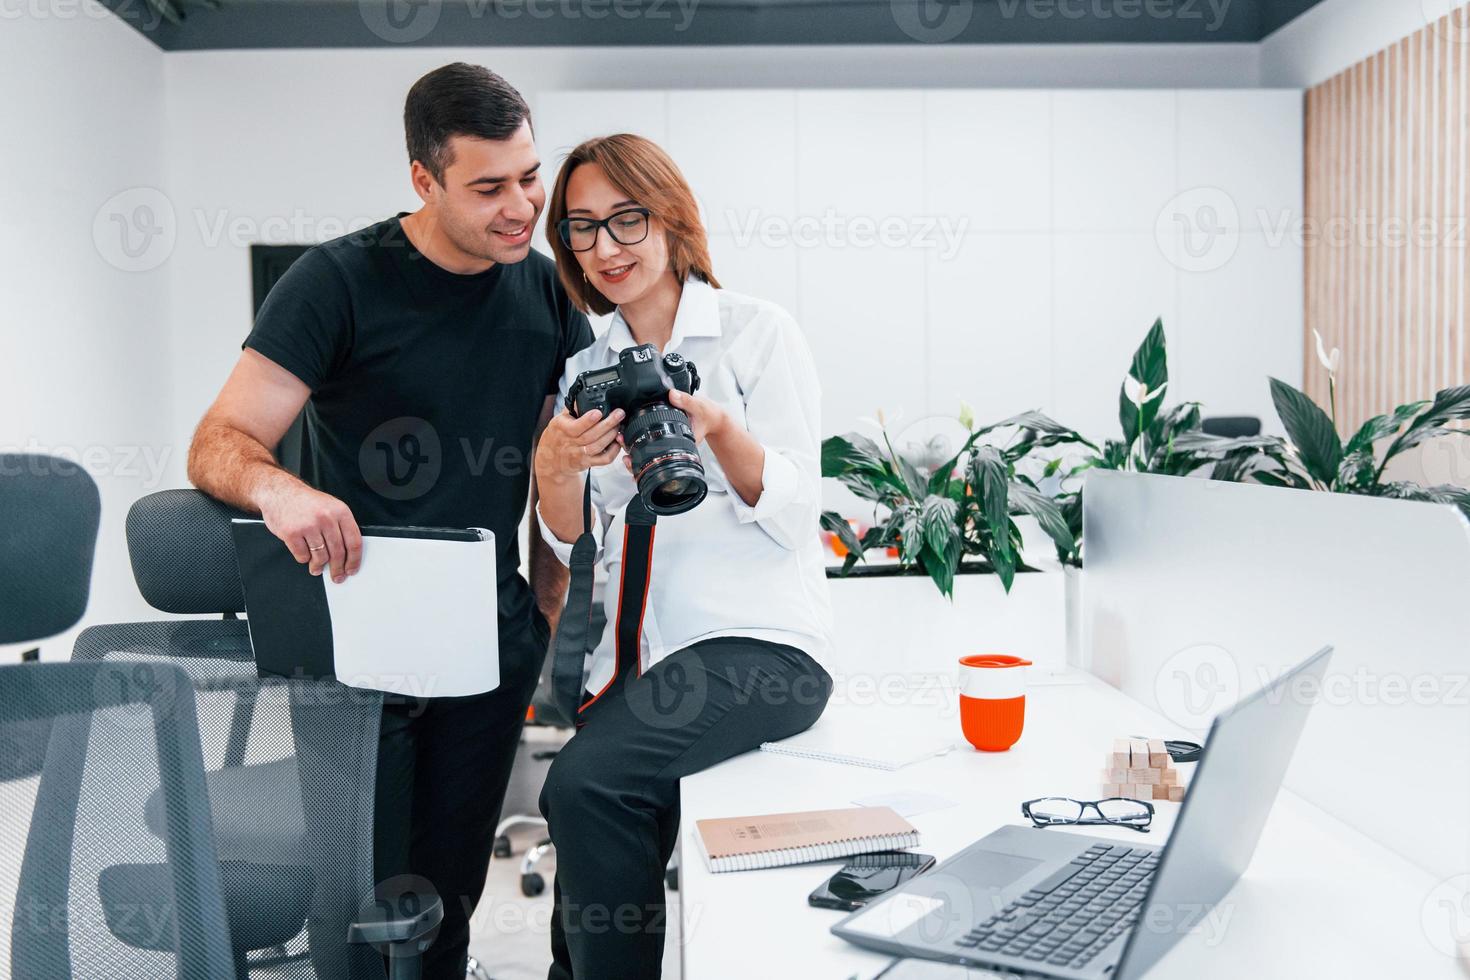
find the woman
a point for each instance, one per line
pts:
(729, 648)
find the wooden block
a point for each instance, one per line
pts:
(1169, 777)
(1158, 756)
(1138, 753)
(1115, 776)
(1120, 758)
(1111, 789)
(1145, 776)
(1176, 794)
(1161, 792)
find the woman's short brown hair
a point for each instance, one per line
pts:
(641, 169)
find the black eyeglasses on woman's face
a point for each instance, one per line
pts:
(1053, 811)
(627, 227)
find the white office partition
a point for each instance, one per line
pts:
(1196, 593)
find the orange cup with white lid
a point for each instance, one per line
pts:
(992, 700)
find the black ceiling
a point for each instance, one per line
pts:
(457, 23)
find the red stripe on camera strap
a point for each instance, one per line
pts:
(638, 530)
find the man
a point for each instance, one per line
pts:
(425, 349)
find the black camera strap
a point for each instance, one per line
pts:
(573, 635)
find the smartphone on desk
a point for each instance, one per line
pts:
(867, 876)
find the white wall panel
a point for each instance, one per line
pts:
(1109, 289)
(1247, 144)
(858, 153)
(1237, 324)
(1115, 159)
(988, 158)
(738, 152)
(863, 313)
(990, 326)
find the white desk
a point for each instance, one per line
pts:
(1319, 900)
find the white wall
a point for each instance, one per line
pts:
(1337, 34)
(84, 369)
(1033, 243)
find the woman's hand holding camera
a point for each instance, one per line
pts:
(708, 420)
(570, 445)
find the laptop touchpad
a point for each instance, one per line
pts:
(991, 869)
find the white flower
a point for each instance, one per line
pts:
(881, 424)
(1329, 361)
(1140, 394)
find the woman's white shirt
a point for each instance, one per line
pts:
(724, 568)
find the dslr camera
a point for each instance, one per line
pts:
(658, 437)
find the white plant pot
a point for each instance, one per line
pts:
(895, 627)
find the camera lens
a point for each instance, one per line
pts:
(666, 464)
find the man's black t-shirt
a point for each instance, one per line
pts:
(426, 385)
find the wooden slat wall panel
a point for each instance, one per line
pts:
(1388, 247)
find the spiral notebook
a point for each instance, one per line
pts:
(774, 840)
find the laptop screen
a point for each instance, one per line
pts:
(1239, 775)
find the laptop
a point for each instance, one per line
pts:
(1050, 903)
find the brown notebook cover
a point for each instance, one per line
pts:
(776, 839)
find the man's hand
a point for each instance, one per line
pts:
(231, 460)
(318, 528)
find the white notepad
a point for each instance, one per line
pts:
(871, 746)
(419, 618)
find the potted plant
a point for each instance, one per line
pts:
(956, 586)
(959, 515)
(1314, 456)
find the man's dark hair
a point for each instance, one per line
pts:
(458, 100)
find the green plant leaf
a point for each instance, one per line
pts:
(990, 478)
(1311, 431)
(1151, 361)
(940, 528)
(837, 524)
(1440, 494)
(1046, 511)
(1128, 417)
(859, 464)
(1449, 405)
(1150, 365)
(1381, 427)
(941, 566)
(843, 454)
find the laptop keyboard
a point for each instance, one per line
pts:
(1073, 915)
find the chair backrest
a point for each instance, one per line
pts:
(183, 554)
(98, 893)
(1232, 426)
(289, 765)
(49, 510)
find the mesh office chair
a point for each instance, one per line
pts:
(49, 511)
(290, 770)
(89, 888)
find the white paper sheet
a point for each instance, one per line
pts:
(419, 618)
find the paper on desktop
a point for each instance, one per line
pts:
(910, 803)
